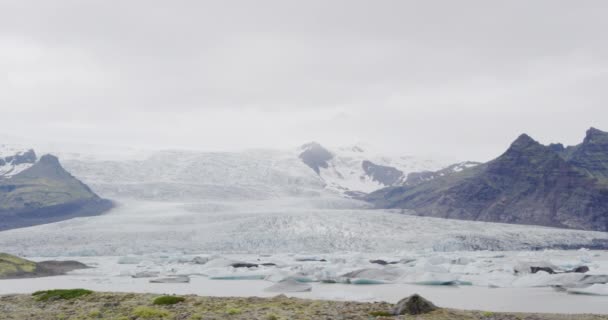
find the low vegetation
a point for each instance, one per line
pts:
(144, 312)
(11, 266)
(60, 294)
(168, 300)
(80, 304)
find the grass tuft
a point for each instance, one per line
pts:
(149, 313)
(234, 311)
(380, 314)
(168, 300)
(60, 294)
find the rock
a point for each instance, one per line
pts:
(289, 285)
(581, 269)
(244, 265)
(177, 279)
(382, 262)
(413, 305)
(315, 156)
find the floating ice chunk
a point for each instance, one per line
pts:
(594, 279)
(544, 279)
(219, 263)
(435, 279)
(384, 275)
(436, 260)
(239, 276)
(596, 290)
(130, 260)
(462, 261)
(523, 267)
(177, 279)
(310, 259)
(200, 260)
(145, 274)
(277, 276)
(289, 285)
(363, 281)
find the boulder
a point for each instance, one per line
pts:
(413, 305)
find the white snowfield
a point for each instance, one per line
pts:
(252, 174)
(194, 176)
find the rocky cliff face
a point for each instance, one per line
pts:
(315, 156)
(591, 156)
(44, 192)
(529, 184)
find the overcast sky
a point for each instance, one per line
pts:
(456, 78)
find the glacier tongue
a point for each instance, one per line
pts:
(282, 225)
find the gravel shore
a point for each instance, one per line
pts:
(131, 306)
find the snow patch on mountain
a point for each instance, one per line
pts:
(14, 160)
(358, 169)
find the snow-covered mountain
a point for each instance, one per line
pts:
(195, 175)
(356, 169)
(308, 171)
(14, 160)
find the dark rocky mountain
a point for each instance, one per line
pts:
(19, 158)
(386, 175)
(315, 156)
(44, 192)
(416, 178)
(529, 184)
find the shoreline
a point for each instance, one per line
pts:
(110, 305)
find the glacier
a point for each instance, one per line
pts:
(195, 215)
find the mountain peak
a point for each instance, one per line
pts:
(315, 156)
(49, 159)
(523, 141)
(594, 135)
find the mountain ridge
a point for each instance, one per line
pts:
(44, 192)
(528, 184)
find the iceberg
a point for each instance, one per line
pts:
(289, 285)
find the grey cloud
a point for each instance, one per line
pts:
(461, 78)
